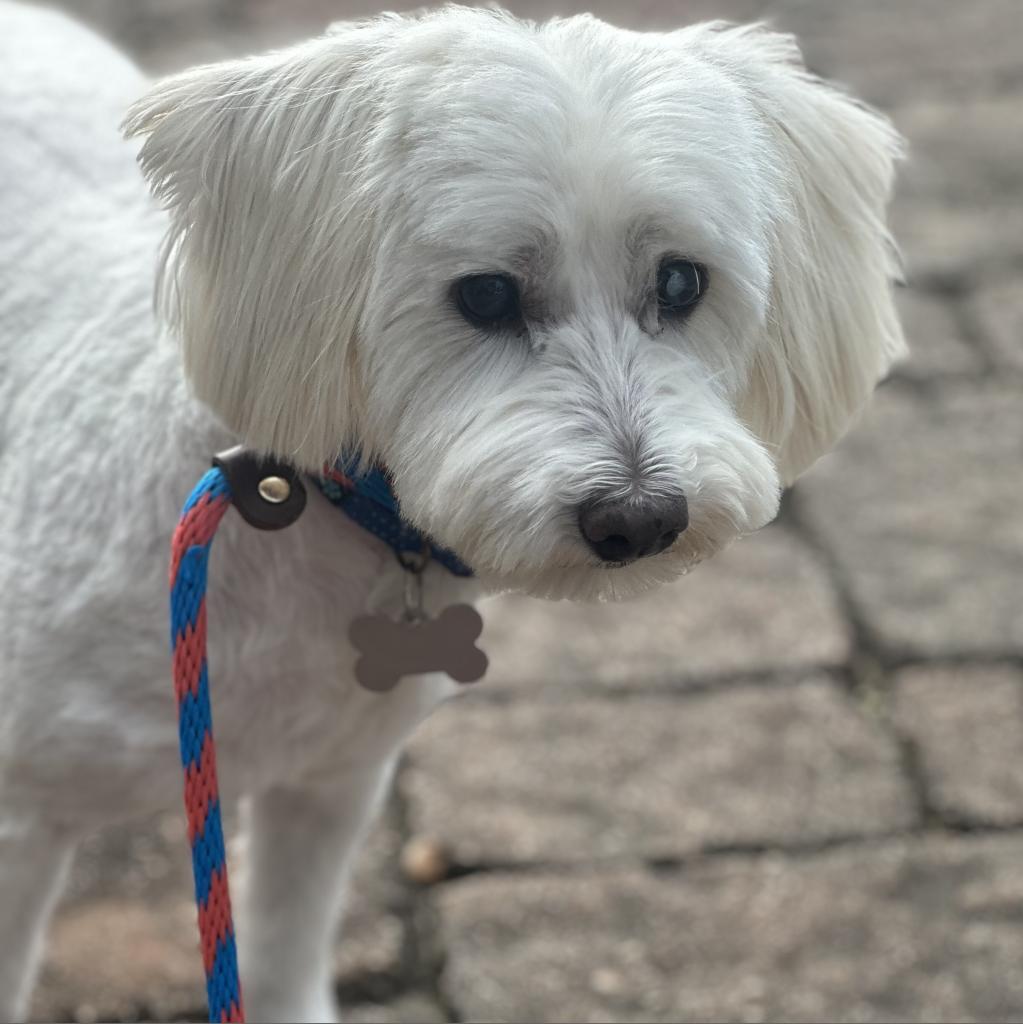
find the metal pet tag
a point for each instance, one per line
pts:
(389, 650)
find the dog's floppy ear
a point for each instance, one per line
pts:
(263, 165)
(832, 326)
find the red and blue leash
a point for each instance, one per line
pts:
(190, 552)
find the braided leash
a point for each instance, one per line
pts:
(190, 552)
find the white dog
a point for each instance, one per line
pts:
(592, 297)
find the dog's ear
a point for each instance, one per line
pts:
(832, 328)
(264, 166)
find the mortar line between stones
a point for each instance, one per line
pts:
(872, 667)
(716, 853)
(956, 294)
(682, 687)
(970, 330)
(869, 673)
(864, 642)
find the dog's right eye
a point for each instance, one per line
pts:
(680, 286)
(488, 300)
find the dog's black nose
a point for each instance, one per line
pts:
(623, 530)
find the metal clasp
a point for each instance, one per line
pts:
(414, 563)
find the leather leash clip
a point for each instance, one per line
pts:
(268, 493)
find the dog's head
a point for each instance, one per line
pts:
(592, 296)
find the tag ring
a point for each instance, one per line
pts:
(415, 561)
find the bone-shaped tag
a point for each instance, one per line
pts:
(389, 650)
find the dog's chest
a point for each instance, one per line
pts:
(286, 703)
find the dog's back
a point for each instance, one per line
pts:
(78, 348)
(67, 184)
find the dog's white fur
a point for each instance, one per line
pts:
(320, 202)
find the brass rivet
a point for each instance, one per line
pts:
(274, 489)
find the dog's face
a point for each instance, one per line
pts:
(592, 296)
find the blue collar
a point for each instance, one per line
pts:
(368, 500)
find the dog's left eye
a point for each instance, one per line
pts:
(680, 286)
(488, 300)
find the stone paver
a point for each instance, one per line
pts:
(165, 37)
(998, 308)
(957, 215)
(967, 726)
(414, 1009)
(957, 243)
(653, 777)
(914, 50)
(115, 958)
(977, 162)
(921, 507)
(937, 347)
(764, 604)
(921, 931)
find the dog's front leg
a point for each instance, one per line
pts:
(301, 842)
(33, 861)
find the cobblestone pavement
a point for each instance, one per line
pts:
(791, 788)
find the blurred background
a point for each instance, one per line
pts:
(790, 788)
